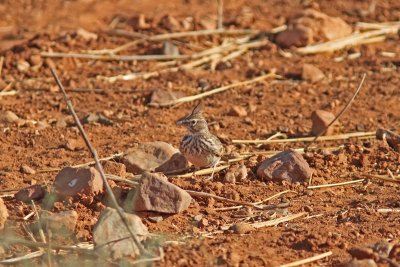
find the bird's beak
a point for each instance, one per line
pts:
(179, 122)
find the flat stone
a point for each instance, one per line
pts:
(309, 26)
(155, 193)
(311, 73)
(288, 165)
(176, 163)
(72, 181)
(26, 169)
(74, 144)
(96, 118)
(33, 192)
(86, 35)
(8, 117)
(156, 219)
(237, 111)
(298, 36)
(3, 214)
(109, 228)
(61, 221)
(162, 97)
(148, 156)
(392, 138)
(320, 120)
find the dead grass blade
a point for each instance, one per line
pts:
(382, 177)
(98, 164)
(112, 57)
(336, 184)
(308, 260)
(342, 111)
(352, 40)
(278, 221)
(309, 139)
(28, 256)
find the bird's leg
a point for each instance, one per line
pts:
(213, 171)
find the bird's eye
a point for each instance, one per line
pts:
(193, 122)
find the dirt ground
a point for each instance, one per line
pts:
(338, 219)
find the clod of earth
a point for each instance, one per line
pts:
(115, 168)
(86, 35)
(236, 173)
(320, 120)
(155, 193)
(110, 235)
(61, 222)
(288, 165)
(72, 181)
(3, 214)
(361, 263)
(176, 163)
(311, 73)
(148, 156)
(170, 49)
(96, 118)
(242, 228)
(391, 138)
(27, 170)
(33, 192)
(309, 26)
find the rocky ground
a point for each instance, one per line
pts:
(260, 209)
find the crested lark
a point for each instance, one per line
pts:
(199, 146)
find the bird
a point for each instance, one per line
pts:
(200, 147)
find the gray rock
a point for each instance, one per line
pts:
(176, 163)
(72, 181)
(61, 221)
(110, 228)
(155, 193)
(148, 156)
(33, 192)
(288, 165)
(311, 73)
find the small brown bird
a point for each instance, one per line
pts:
(200, 147)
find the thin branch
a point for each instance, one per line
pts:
(308, 139)
(98, 164)
(308, 260)
(337, 184)
(1, 64)
(204, 194)
(341, 112)
(44, 245)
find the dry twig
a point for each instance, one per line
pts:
(341, 112)
(308, 139)
(98, 164)
(308, 260)
(336, 184)
(279, 220)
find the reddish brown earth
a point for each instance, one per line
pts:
(339, 217)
